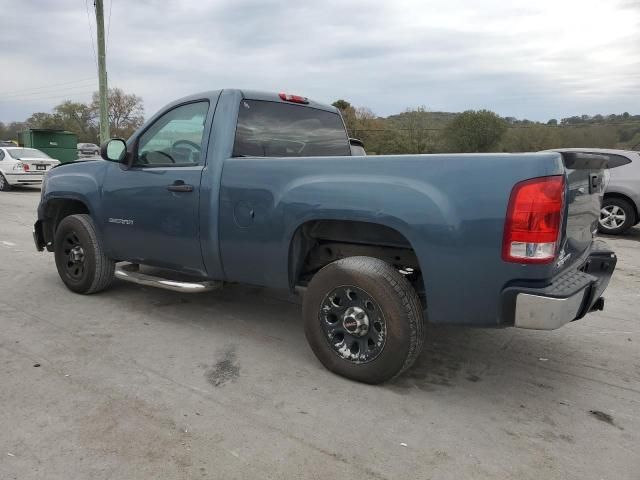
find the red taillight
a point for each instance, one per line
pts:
(293, 98)
(534, 219)
(25, 167)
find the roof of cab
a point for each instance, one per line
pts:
(275, 97)
(254, 95)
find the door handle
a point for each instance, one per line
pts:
(180, 186)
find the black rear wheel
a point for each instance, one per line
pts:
(80, 258)
(363, 319)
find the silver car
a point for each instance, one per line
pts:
(621, 205)
(88, 150)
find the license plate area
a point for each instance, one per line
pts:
(41, 167)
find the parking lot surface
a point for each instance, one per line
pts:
(139, 383)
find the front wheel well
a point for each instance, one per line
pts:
(56, 210)
(624, 197)
(318, 243)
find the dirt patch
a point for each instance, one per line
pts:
(432, 370)
(604, 417)
(225, 370)
(129, 432)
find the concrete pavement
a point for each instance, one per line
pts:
(138, 383)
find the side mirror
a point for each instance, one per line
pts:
(113, 150)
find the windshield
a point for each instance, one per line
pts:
(271, 129)
(19, 153)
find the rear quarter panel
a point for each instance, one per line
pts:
(451, 208)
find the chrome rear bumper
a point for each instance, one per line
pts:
(546, 313)
(568, 297)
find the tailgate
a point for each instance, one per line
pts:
(585, 190)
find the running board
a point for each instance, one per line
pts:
(130, 272)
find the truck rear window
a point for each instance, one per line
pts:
(272, 129)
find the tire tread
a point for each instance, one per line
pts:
(409, 297)
(104, 266)
(390, 284)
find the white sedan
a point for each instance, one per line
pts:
(23, 166)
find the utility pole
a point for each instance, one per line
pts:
(102, 74)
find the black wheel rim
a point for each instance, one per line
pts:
(74, 256)
(353, 324)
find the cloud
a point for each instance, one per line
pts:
(527, 59)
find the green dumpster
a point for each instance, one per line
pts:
(58, 144)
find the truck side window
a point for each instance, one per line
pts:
(174, 139)
(273, 129)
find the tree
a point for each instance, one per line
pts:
(10, 131)
(475, 131)
(126, 112)
(43, 120)
(341, 105)
(414, 126)
(348, 115)
(78, 118)
(530, 139)
(553, 121)
(125, 116)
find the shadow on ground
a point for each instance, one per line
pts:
(631, 234)
(452, 356)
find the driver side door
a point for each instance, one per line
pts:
(150, 211)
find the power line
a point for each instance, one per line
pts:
(61, 89)
(93, 47)
(109, 24)
(59, 96)
(46, 87)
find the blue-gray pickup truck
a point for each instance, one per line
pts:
(263, 189)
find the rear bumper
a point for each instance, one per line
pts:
(31, 178)
(569, 297)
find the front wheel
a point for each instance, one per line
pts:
(363, 319)
(616, 216)
(80, 258)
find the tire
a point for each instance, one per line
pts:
(4, 185)
(390, 332)
(616, 216)
(80, 259)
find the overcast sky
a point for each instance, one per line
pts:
(535, 59)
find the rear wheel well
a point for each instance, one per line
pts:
(622, 196)
(320, 242)
(56, 210)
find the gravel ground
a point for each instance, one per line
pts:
(139, 383)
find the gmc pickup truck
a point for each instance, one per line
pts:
(263, 189)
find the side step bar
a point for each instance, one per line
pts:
(130, 272)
